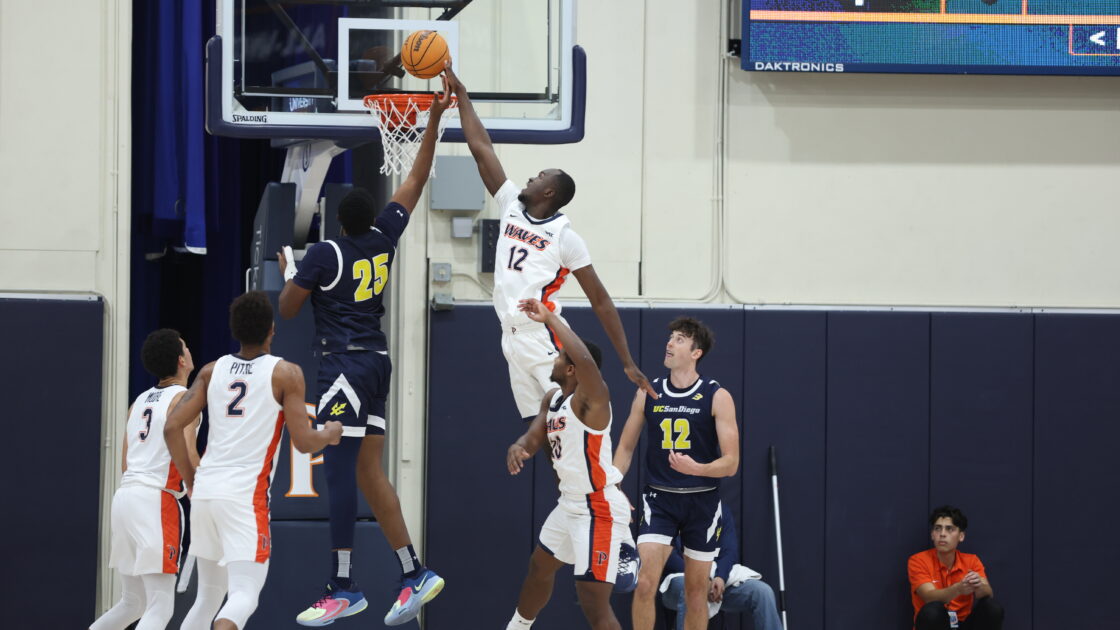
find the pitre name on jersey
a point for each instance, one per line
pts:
(240, 368)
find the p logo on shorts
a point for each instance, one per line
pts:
(601, 557)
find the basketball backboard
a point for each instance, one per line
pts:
(300, 68)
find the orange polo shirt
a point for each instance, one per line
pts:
(925, 568)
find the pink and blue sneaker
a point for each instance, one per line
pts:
(415, 592)
(335, 604)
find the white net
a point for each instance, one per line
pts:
(402, 123)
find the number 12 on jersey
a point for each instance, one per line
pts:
(375, 270)
(680, 427)
(520, 253)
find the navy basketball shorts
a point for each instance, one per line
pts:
(697, 517)
(352, 389)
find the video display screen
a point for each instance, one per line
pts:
(933, 36)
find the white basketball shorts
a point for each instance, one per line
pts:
(230, 531)
(586, 530)
(529, 351)
(147, 531)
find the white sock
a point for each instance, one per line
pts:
(518, 622)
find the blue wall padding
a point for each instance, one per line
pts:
(1076, 484)
(877, 417)
(981, 442)
(876, 463)
(479, 517)
(784, 405)
(52, 376)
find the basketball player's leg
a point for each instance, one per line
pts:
(212, 585)
(701, 523)
(555, 548)
(419, 585)
(206, 547)
(595, 600)
(127, 610)
(246, 579)
(159, 595)
(658, 527)
(529, 356)
(340, 385)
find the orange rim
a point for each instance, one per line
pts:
(391, 107)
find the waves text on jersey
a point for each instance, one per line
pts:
(527, 237)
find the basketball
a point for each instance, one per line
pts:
(423, 54)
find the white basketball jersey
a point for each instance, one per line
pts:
(148, 460)
(245, 427)
(533, 257)
(582, 457)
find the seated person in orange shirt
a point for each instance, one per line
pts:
(949, 588)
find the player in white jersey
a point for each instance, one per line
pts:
(591, 521)
(251, 397)
(147, 524)
(536, 251)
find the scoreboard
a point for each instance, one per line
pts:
(933, 36)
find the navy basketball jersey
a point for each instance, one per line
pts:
(681, 421)
(347, 279)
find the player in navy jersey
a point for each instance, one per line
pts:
(345, 279)
(693, 442)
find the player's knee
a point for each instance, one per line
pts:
(239, 607)
(647, 586)
(161, 607)
(988, 608)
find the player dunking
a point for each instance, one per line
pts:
(537, 249)
(693, 441)
(251, 396)
(147, 526)
(345, 280)
(592, 518)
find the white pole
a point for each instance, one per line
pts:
(778, 536)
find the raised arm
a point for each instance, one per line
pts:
(413, 185)
(292, 296)
(628, 441)
(531, 441)
(288, 387)
(603, 306)
(478, 139)
(190, 433)
(182, 416)
(591, 399)
(727, 432)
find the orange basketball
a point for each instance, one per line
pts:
(423, 54)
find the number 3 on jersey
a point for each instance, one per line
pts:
(681, 428)
(375, 270)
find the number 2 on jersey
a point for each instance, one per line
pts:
(521, 254)
(234, 409)
(375, 270)
(681, 428)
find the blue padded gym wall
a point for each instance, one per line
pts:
(877, 416)
(54, 378)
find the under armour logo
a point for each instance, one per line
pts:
(337, 409)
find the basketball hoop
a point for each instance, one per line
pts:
(402, 119)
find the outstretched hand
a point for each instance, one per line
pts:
(443, 99)
(535, 309)
(636, 377)
(453, 81)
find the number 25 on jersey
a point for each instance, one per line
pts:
(373, 270)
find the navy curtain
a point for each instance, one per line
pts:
(193, 195)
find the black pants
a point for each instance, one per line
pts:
(987, 614)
